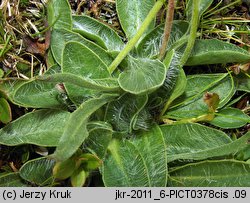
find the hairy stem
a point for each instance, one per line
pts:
(79, 81)
(129, 46)
(194, 26)
(203, 118)
(167, 29)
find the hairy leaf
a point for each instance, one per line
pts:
(100, 135)
(42, 127)
(59, 14)
(142, 75)
(244, 154)
(38, 171)
(213, 51)
(88, 65)
(11, 180)
(37, 94)
(132, 13)
(8, 88)
(98, 32)
(60, 37)
(191, 103)
(223, 173)
(121, 113)
(174, 84)
(230, 118)
(179, 87)
(242, 82)
(104, 85)
(75, 131)
(137, 162)
(203, 6)
(5, 111)
(197, 142)
(150, 45)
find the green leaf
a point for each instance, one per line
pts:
(60, 37)
(124, 166)
(104, 85)
(38, 171)
(9, 86)
(63, 170)
(150, 45)
(44, 91)
(244, 154)
(42, 127)
(191, 103)
(179, 87)
(75, 131)
(152, 148)
(37, 94)
(223, 173)
(90, 162)
(230, 118)
(59, 14)
(50, 59)
(204, 5)
(87, 65)
(174, 86)
(144, 120)
(138, 162)
(142, 75)
(98, 32)
(242, 82)
(132, 14)
(79, 84)
(236, 100)
(78, 178)
(122, 113)
(23, 97)
(213, 51)
(5, 111)
(11, 180)
(1, 73)
(160, 99)
(196, 142)
(100, 135)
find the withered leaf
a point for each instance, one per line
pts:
(35, 46)
(212, 100)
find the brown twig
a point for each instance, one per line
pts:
(167, 29)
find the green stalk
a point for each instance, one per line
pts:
(190, 42)
(219, 10)
(181, 42)
(167, 29)
(5, 46)
(194, 26)
(203, 118)
(129, 46)
(78, 81)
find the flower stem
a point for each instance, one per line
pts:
(167, 28)
(194, 26)
(129, 46)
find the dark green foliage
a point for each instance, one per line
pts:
(134, 119)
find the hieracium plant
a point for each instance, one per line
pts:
(123, 106)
